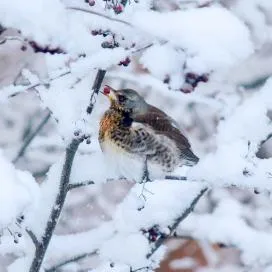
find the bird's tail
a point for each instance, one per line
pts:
(188, 157)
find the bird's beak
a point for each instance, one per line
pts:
(110, 93)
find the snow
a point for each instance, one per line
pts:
(208, 25)
(18, 193)
(224, 123)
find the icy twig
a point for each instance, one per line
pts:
(70, 152)
(30, 137)
(101, 15)
(33, 238)
(268, 137)
(58, 205)
(80, 184)
(70, 260)
(173, 227)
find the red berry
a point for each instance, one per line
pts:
(91, 3)
(125, 62)
(106, 90)
(191, 75)
(118, 9)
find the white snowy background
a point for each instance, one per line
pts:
(206, 63)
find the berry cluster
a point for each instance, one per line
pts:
(90, 2)
(111, 43)
(47, 49)
(78, 133)
(153, 234)
(115, 5)
(125, 62)
(192, 80)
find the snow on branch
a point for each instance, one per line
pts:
(70, 152)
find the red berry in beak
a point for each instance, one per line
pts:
(106, 90)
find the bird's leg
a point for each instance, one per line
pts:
(145, 178)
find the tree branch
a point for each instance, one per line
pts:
(70, 260)
(58, 205)
(268, 137)
(70, 152)
(172, 228)
(100, 15)
(34, 85)
(80, 184)
(30, 137)
(33, 238)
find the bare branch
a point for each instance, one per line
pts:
(70, 152)
(71, 260)
(96, 87)
(268, 137)
(80, 184)
(33, 238)
(176, 177)
(34, 85)
(12, 38)
(172, 228)
(31, 137)
(100, 15)
(58, 205)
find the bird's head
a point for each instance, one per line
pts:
(126, 100)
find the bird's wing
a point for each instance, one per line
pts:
(162, 124)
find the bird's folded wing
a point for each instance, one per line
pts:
(163, 124)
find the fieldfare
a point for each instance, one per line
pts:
(137, 137)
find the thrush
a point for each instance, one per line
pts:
(136, 136)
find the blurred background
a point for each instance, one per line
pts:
(88, 207)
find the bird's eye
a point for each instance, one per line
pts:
(122, 98)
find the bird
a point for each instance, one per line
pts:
(139, 140)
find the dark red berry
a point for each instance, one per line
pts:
(23, 48)
(95, 32)
(106, 90)
(186, 90)
(166, 79)
(91, 3)
(118, 9)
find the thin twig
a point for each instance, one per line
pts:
(33, 237)
(101, 15)
(58, 205)
(12, 38)
(172, 228)
(30, 137)
(70, 152)
(71, 260)
(80, 184)
(268, 137)
(34, 85)
(96, 87)
(176, 177)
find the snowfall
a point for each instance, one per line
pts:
(207, 64)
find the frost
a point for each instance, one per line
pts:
(18, 192)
